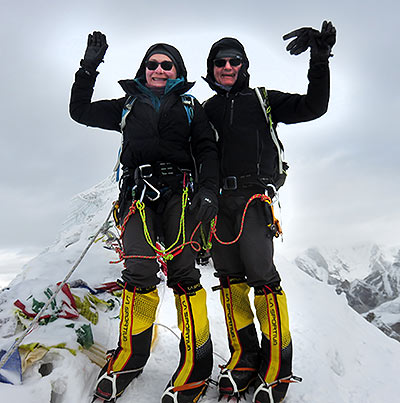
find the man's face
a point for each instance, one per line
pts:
(228, 73)
(156, 75)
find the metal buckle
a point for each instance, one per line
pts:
(146, 171)
(230, 183)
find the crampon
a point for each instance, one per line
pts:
(273, 392)
(233, 384)
(188, 393)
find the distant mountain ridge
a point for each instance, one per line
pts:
(368, 274)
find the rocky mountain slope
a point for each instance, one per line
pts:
(368, 274)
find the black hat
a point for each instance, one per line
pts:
(169, 51)
(163, 51)
(229, 53)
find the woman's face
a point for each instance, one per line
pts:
(158, 77)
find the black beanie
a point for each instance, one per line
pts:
(161, 50)
(168, 50)
(229, 53)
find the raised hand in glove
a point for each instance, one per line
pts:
(95, 51)
(205, 203)
(320, 43)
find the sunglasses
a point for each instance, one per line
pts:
(233, 62)
(165, 65)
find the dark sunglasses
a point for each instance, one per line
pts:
(165, 65)
(233, 62)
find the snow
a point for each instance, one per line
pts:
(388, 312)
(340, 356)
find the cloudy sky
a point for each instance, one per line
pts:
(342, 186)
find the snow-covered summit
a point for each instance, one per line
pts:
(340, 356)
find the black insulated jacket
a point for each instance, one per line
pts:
(157, 128)
(244, 141)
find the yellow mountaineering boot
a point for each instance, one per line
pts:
(138, 312)
(241, 370)
(275, 371)
(190, 380)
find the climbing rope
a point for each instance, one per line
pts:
(277, 228)
(141, 207)
(206, 242)
(174, 249)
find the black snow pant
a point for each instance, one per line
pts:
(252, 256)
(250, 260)
(162, 219)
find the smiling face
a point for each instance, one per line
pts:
(226, 75)
(158, 78)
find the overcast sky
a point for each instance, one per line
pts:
(342, 186)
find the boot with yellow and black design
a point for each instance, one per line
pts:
(275, 371)
(138, 312)
(241, 370)
(190, 380)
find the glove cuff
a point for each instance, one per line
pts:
(320, 57)
(88, 68)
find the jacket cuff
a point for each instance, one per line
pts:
(209, 175)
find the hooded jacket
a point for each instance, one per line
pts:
(246, 148)
(157, 128)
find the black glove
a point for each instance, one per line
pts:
(205, 202)
(95, 51)
(320, 43)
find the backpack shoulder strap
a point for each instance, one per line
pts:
(126, 109)
(188, 103)
(130, 100)
(262, 96)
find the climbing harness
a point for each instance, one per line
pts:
(174, 249)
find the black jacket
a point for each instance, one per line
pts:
(245, 144)
(157, 128)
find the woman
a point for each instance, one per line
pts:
(168, 146)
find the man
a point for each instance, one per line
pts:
(250, 164)
(161, 152)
